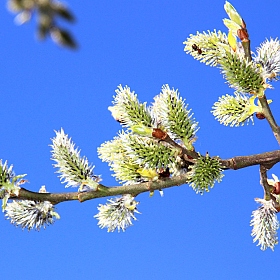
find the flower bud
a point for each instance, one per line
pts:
(277, 188)
(233, 14)
(260, 116)
(159, 134)
(142, 130)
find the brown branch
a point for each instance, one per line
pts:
(244, 37)
(269, 117)
(54, 198)
(245, 41)
(267, 188)
(187, 155)
(134, 190)
(266, 160)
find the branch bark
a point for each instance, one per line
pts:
(266, 160)
(269, 117)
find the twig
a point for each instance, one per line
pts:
(267, 188)
(269, 117)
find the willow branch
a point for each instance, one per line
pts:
(267, 188)
(266, 160)
(244, 37)
(245, 41)
(269, 117)
(134, 190)
(188, 155)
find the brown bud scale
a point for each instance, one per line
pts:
(158, 133)
(277, 188)
(260, 116)
(243, 34)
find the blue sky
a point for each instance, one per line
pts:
(140, 44)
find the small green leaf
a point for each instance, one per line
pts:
(233, 14)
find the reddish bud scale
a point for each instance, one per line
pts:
(243, 34)
(277, 188)
(243, 24)
(22, 181)
(158, 133)
(260, 116)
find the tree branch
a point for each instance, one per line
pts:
(267, 188)
(269, 117)
(266, 160)
(186, 154)
(134, 190)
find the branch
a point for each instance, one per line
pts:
(134, 190)
(48, 14)
(188, 155)
(245, 41)
(269, 117)
(267, 188)
(266, 160)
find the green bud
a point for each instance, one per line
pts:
(232, 13)
(11, 189)
(231, 25)
(141, 129)
(88, 184)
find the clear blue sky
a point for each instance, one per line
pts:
(140, 44)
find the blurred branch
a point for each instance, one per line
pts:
(48, 13)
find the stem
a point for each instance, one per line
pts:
(269, 117)
(247, 49)
(244, 37)
(264, 183)
(183, 151)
